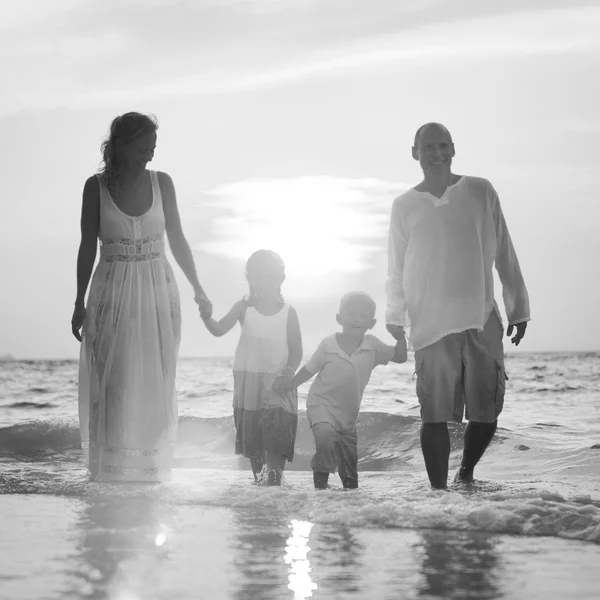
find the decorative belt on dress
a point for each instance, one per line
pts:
(131, 250)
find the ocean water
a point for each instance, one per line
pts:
(529, 527)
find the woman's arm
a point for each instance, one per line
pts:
(227, 323)
(90, 225)
(179, 245)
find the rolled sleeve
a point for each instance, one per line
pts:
(397, 243)
(514, 291)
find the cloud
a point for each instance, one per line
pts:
(70, 68)
(26, 13)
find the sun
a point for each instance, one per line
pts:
(324, 228)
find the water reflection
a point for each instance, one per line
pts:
(122, 546)
(260, 543)
(130, 548)
(338, 560)
(296, 556)
(459, 564)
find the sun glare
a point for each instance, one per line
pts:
(296, 557)
(322, 227)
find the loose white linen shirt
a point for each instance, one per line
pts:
(336, 393)
(441, 254)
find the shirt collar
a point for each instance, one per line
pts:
(445, 197)
(332, 345)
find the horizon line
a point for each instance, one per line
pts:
(13, 358)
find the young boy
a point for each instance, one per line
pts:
(343, 364)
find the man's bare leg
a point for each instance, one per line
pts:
(435, 444)
(477, 438)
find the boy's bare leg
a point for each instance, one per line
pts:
(320, 480)
(348, 461)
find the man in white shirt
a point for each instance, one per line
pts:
(446, 234)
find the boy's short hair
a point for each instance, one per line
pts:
(357, 296)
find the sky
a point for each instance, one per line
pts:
(288, 124)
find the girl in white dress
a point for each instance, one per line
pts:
(132, 321)
(266, 358)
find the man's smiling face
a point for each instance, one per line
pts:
(434, 149)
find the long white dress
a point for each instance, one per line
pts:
(131, 334)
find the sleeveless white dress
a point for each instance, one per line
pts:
(131, 334)
(264, 419)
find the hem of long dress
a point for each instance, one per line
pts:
(131, 475)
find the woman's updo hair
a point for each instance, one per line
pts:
(125, 129)
(265, 262)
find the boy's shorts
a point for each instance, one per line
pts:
(463, 370)
(335, 450)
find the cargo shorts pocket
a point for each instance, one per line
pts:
(420, 374)
(500, 387)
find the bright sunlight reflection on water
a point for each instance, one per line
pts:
(296, 556)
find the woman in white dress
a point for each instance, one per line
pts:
(131, 324)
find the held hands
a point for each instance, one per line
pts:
(520, 327)
(204, 305)
(283, 382)
(397, 332)
(401, 350)
(78, 319)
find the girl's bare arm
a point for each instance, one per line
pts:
(294, 341)
(227, 323)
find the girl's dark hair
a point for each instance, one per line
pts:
(266, 262)
(124, 128)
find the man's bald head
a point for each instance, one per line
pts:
(423, 128)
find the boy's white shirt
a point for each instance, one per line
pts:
(455, 240)
(336, 393)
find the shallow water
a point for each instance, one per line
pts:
(528, 528)
(173, 541)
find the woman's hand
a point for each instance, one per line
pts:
(78, 319)
(204, 305)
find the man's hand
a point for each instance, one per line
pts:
(396, 331)
(520, 327)
(400, 351)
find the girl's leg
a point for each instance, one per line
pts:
(279, 434)
(275, 467)
(248, 438)
(257, 466)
